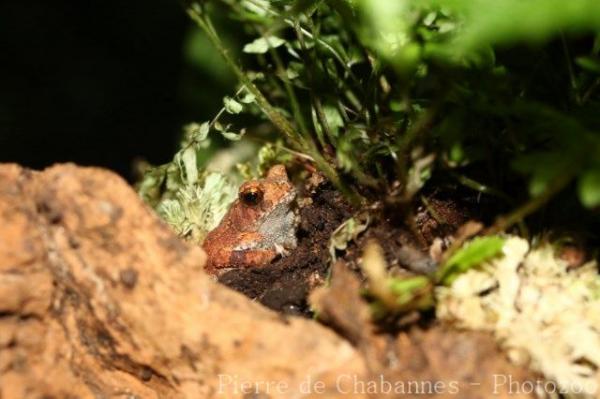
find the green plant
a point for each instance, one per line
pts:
(509, 87)
(382, 95)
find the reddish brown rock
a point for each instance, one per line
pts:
(98, 298)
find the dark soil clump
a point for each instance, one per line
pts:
(407, 249)
(285, 284)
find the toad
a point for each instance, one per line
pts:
(259, 226)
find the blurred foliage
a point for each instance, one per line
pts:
(472, 254)
(400, 294)
(496, 95)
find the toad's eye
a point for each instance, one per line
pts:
(251, 196)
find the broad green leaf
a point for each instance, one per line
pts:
(492, 22)
(472, 254)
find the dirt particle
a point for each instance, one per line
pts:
(129, 278)
(50, 211)
(74, 242)
(145, 373)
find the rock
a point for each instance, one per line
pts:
(98, 298)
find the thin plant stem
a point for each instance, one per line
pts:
(290, 92)
(298, 141)
(320, 114)
(570, 70)
(406, 142)
(280, 122)
(590, 91)
(482, 188)
(518, 215)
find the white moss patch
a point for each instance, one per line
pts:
(543, 315)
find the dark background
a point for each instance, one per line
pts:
(100, 82)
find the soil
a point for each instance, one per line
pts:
(285, 284)
(406, 248)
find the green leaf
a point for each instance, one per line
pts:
(589, 188)
(219, 127)
(258, 7)
(412, 292)
(401, 286)
(232, 106)
(334, 119)
(591, 64)
(472, 254)
(197, 132)
(233, 136)
(248, 98)
(492, 22)
(263, 44)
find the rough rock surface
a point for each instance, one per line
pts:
(99, 299)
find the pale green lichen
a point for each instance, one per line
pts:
(543, 314)
(193, 192)
(196, 210)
